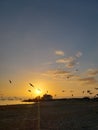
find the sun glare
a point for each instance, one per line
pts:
(38, 91)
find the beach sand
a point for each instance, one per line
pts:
(52, 115)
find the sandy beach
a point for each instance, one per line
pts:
(52, 115)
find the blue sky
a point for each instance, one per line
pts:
(31, 32)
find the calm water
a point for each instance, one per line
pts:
(13, 102)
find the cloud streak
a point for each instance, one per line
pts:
(60, 74)
(92, 72)
(69, 62)
(88, 80)
(59, 52)
(57, 72)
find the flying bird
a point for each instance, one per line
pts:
(88, 91)
(76, 70)
(68, 77)
(55, 95)
(96, 88)
(29, 91)
(96, 96)
(10, 81)
(71, 91)
(31, 85)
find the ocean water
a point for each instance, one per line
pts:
(13, 102)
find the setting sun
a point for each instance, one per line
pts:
(38, 91)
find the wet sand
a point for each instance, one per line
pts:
(54, 115)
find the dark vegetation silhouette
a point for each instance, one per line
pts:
(45, 97)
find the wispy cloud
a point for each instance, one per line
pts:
(92, 72)
(60, 74)
(69, 62)
(88, 80)
(57, 72)
(59, 52)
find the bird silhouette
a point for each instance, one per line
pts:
(71, 91)
(29, 91)
(31, 85)
(10, 81)
(96, 95)
(76, 70)
(96, 88)
(88, 91)
(68, 77)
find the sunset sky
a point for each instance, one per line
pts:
(52, 44)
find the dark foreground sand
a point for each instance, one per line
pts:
(54, 115)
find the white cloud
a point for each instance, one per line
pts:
(59, 52)
(61, 61)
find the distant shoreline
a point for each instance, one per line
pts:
(62, 99)
(13, 102)
(30, 101)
